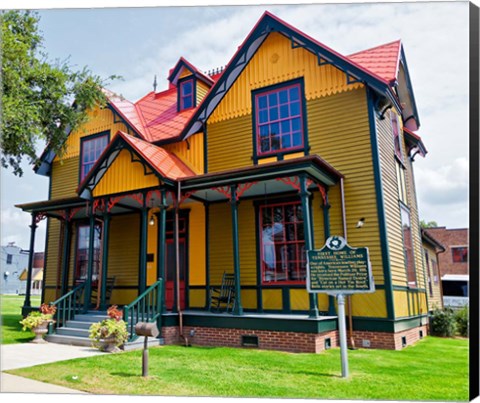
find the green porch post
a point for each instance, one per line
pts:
(67, 230)
(326, 228)
(162, 220)
(27, 303)
(106, 236)
(207, 256)
(142, 274)
(238, 309)
(307, 228)
(176, 241)
(88, 280)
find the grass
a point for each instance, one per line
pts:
(11, 311)
(433, 369)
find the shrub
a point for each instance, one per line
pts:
(461, 318)
(443, 323)
(108, 329)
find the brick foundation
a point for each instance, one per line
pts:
(294, 342)
(388, 341)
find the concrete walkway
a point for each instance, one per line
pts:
(29, 354)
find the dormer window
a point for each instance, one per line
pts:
(186, 99)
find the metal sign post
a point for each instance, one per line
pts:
(338, 270)
(342, 328)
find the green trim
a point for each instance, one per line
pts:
(238, 309)
(388, 325)
(380, 206)
(161, 252)
(256, 206)
(205, 148)
(142, 274)
(67, 228)
(207, 256)
(105, 242)
(304, 325)
(88, 280)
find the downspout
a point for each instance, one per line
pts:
(349, 297)
(177, 264)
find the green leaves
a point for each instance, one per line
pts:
(41, 100)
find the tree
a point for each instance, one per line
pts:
(41, 100)
(430, 224)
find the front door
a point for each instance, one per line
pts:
(170, 263)
(81, 258)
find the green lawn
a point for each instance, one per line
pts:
(433, 369)
(11, 309)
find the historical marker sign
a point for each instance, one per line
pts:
(338, 268)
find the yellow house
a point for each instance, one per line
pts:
(241, 171)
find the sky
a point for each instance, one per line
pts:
(139, 43)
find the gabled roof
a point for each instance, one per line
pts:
(266, 24)
(126, 110)
(163, 163)
(381, 60)
(185, 64)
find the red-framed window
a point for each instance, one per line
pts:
(282, 241)
(279, 120)
(90, 152)
(408, 247)
(396, 136)
(186, 95)
(460, 254)
(81, 258)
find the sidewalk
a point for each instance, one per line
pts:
(29, 354)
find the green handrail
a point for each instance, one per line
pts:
(67, 307)
(147, 307)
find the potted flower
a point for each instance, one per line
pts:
(110, 333)
(38, 321)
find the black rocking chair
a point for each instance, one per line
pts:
(225, 295)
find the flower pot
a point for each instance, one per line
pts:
(109, 345)
(40, 331)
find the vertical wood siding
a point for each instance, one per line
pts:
(123, 255)
(274, 62)
(125, 175)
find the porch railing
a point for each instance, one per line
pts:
(146, 308)
(67, 307)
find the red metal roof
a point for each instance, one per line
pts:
(159, 116)
(164, 162)
(381, 60)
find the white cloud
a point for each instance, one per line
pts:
(15, 227)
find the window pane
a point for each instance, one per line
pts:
(286, 141)
(262, 116)
(281, 243)
(272, 99)
(294, 93)
(295, 108)
(273, 113)
(91, 151)
(262, 101)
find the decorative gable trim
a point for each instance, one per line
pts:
(251, 44)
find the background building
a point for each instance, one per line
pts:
(454, 267)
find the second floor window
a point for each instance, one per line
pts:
(186, 100)
(279, 120)
(460, 254)
(91, 150)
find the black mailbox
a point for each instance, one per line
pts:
(146, 329)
